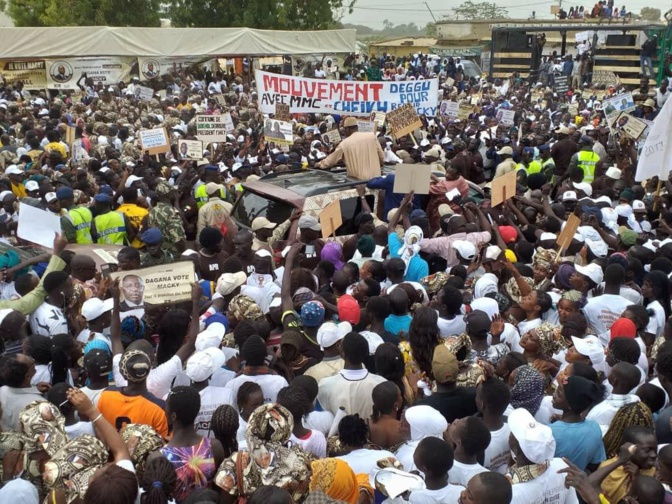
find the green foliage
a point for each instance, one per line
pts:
(650, 14)
(264, 14)
(83, 12)
(483, 10)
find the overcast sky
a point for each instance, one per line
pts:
(373, 12)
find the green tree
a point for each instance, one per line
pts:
(650, 14)
(265, 14)
(430, 29)
(83, 12)
(482, 10)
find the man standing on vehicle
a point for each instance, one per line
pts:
(361, 152)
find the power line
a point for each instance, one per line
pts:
(387, 8)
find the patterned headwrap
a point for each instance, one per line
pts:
(135, 366)
(43, 426)
(434, 283)
(574, 296)
(456, 343)
(335, 478)
(243, 307)
(514, 291)
(269, 461)
(132, 328)
(549, 341)
(412, 239)
(544, 258)
(469, 374)
(141, 440)
(71, 468)
(528, 389)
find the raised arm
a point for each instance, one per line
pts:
(400, 213)
(189, 345)
(115, 324)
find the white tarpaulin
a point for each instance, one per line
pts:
(344, 97)
(64, 73)
(83, 41)
(655, 159)
(152, 68)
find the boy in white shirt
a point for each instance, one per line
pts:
(487, 488)
(470, 438)
(434, 457)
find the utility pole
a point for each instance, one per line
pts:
(430, 11)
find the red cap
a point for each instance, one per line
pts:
(623, 328)
(509, 234)
(348, 309)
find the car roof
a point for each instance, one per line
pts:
(305, 182)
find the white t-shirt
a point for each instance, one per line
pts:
(449, 493)
(240, 434)
(48, 320)
(404, 455)
(656, 323)
(160, 378)
(626, 292)
(602, 311)
(43, 374)
(365, 461)
(319, 420)
(497, 453)
(511, 337)
(79, 429)
(270, 386)
(461, 473)
(603, 413)
(455, 326)
(86, 335)
(549, 488)
(211, 399)
(315, 443)
(92, 394)
(525, 326)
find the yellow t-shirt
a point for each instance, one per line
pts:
(58, 147)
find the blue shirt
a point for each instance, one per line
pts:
(397, 323)
(392, 200)
(580, 442)
(417, 266)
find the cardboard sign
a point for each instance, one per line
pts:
(506, 117)
(449, 109)
(450, 82)
(221, 99)
(70, 135)
(155, 141)
(144, 93)
(567, 234)
(167, 283)
(403, 120)
(213, 128)
(190, 149)
(77, 151)
(162, 94)
(630, 125)
(561, 85)
(474, 99)
(279, 132)
(366, 126)
(38, 226)
(503, 188)
(32, 74)
(612, 107)
(331, 218)
(282, 112)
(332, 137)
(378, 118)
(414, 177)
(573, 109)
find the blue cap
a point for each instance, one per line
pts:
(65, 193)
(529, 150)
(585, 140)
(211, 168)
(59, 166)
(544, 148)
(106, 189)
(417, 213)
(312, 314)
(218, 317)
(102, 198)
(152, 236)
(282, 158)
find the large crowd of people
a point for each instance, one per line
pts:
(449, 351)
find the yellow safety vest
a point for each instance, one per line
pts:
(81, 218)
(201, 196)
(111, 228)
(535, 167)
(587, 162)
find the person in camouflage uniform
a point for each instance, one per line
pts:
(167, 219)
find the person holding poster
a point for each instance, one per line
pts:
(361, 153)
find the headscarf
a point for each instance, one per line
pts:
(581, 393)
(623, 328)
(244, 308)
(549, 344)
(425, 421)
(434, 283)
(486, 284)
(333, 253)
(43, 426)
(503, 302)
(269, 461)
(574, 296)
(487, 305)
(469, 374)
(141, 440)
(132, 328)
(514, 291)
(335, 478)
(528, 389)
(412, 239)
(565, 270)
(544, 258)
(71, 468)
(629, 415)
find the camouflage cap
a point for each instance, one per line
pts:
(164, 189)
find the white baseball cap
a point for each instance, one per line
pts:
(331, 333)
(262, 223)
(465, 249)
(590, 347)
(592, 271)
(637, 205)
(95, 307)
(228, 282)
(493, 252)
(535, 439)
(613, 173)
(211, 337)
(548, 236)
(32, 185)
(50, 196)
(131, 179)
(13, 170)
(201, 365)
(598, 247)
(569, 196)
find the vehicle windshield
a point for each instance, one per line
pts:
(470, 69)
(252, 205)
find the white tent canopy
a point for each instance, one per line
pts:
(85, 41)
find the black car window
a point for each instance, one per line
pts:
(350, 207)
(251, 205)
